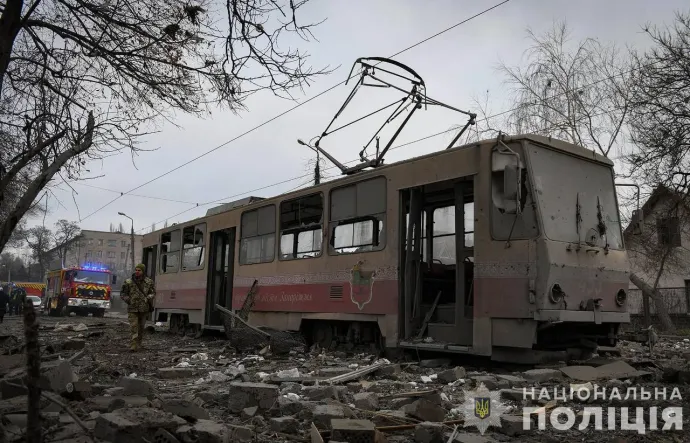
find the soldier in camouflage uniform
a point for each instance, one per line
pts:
(138, 292)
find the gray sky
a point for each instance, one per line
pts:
(456, 67)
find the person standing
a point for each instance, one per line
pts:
(139, 293)
(4, 299)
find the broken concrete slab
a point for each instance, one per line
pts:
(512, 425)
(285, 425)
(353, 431)
(427, 432)
(581, 373)
(244, 395)
(489, 381)
(323, 414)
(425, 410)
(135, 386)
(542, 375)
(205, 431)
(452, 375)
(115, 428)
(512, 380)
(185, 409)
(367, 401)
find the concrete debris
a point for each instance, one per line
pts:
(181, 389)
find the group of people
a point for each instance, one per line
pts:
(12, 299)
(138, 292)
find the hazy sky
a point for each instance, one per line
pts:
(456, 67)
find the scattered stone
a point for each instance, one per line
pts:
(248, 413)
(451, 375)
(367, 401)
(285, 425)
(429, 433)
(542, 375)
(354, 387)
(106, 404)
(244, 395)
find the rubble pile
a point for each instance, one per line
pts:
(202, 390)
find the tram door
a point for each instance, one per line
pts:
(220, 276)
(437, 255)
(150, 260)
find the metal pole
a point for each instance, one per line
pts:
(132, 247)
(317, 170)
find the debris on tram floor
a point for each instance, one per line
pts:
(180, 389)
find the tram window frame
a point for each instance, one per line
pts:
(169, 252)
(354, 204)
(294, 233)
(258, 232)
(503, 226)
(201, 245)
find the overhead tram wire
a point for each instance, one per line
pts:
(415, 141)
(290, 110)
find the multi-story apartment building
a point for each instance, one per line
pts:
(111, 249)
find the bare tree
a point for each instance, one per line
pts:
(660, 117)
(39, 241)
(579, 94)
(582, 95)
(66, 232)
(83, 79)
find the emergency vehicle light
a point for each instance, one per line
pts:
(93, 267)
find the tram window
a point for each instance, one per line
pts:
(258, 235)
(357, 217)
(300, 227)
(505, 226)
(193, 247)
(170, 251)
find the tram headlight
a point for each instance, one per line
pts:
(621, 296)
(556, 295)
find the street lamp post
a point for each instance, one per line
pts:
(131, 239)
(317, 168)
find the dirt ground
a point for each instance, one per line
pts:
(182, 389)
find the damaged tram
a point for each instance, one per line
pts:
(494, 248)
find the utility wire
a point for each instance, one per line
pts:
(288, 111)
(421, 139)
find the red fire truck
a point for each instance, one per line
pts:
(83, 290)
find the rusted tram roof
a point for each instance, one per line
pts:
(560, 145)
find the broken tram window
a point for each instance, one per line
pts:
(300, 227)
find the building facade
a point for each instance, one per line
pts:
(662, 251)
(111, 249)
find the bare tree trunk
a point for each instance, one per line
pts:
(10, 24)
(32, 191)
(648, 291)
(33, 367)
